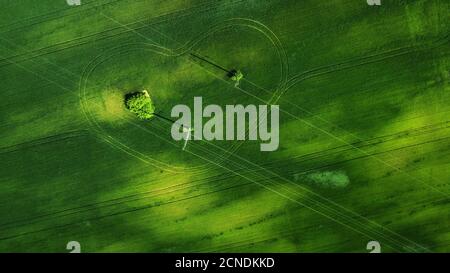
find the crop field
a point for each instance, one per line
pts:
(364, 126)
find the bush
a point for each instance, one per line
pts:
(236, 75)
(140, 104)
(329, 179)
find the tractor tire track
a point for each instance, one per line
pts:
(109, 33)
(43, 141)
(44, 18)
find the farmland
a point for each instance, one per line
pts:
(363, 93)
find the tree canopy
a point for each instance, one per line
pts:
(236, 75)
(140, 104)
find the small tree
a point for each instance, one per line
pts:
(236, 76)
(140, 104)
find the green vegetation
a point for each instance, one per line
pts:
(335, 179)
(362, 90)
(140, 104)
(236, 76)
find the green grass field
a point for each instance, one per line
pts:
(364, 97)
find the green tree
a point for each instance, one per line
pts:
(236, 75)
(140, 104)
